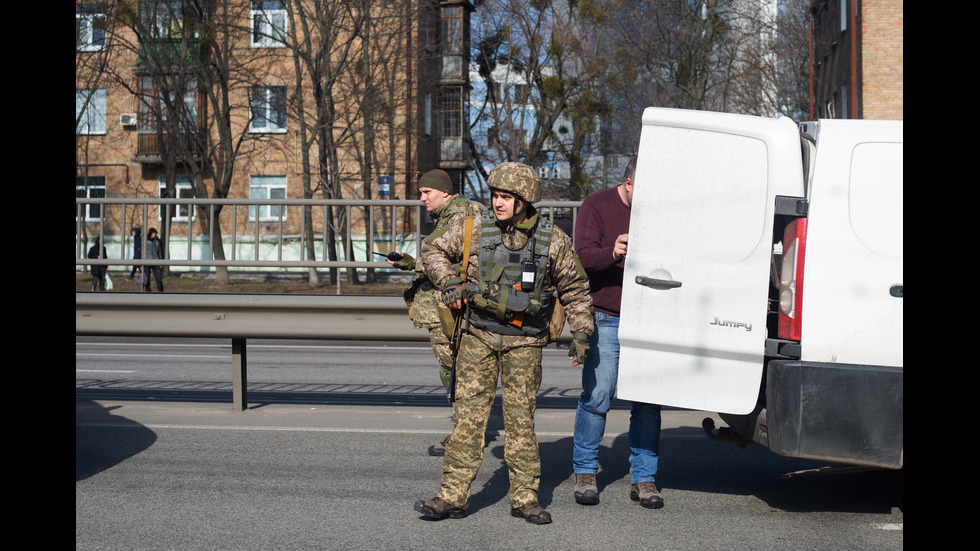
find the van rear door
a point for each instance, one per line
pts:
(853, 308)
(696, 287)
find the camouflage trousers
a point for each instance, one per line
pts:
(477, 369)
(443, 352)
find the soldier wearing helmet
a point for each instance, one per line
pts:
(519, 266)
(518, 181)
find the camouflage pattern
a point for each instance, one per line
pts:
(441, 255)
(423, 310)
(423, 299)
(443, 352)
(478, 368)
(516, 178)
(483, 356)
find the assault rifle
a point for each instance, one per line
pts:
(459, 323)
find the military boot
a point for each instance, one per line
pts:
(437, 508)
(439, 449)
(532, 512)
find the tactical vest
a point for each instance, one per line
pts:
(508, 299)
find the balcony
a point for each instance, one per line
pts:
(148, 146)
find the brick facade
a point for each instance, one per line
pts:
(116, 155)
(882, 59)
(857, 59)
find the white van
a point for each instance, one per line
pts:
(764, 280)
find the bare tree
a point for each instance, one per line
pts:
(324, 46)
(545, 70)
(161, 37)
(93, 47)
(744, 56)
(379, 95)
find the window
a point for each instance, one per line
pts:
(164, 18)
(266, 187)
(450, 112)
(90, 27)
(549, 172)
(269, 24)
(182, 104)
(92, 187)
(507, 135)
(90, 111)
(268, 109)
(184, 189)
(521, 93)
(519, 136)
(452, 30)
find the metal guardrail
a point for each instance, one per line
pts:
(240, 317)
(244, 316)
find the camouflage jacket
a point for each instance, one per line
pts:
(443, 252)
(422, 298)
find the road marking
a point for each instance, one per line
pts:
(102, 371)
(116, 355)
(133, 425)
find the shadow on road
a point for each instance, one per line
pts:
(699, 465)
(99, 442)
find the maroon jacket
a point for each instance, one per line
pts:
(602, 217)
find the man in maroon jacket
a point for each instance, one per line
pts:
(601, 239)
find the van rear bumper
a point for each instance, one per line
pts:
(843, 413)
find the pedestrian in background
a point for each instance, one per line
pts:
(98, 271)
(154, 251)
(137, 234)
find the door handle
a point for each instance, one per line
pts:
(657, 283)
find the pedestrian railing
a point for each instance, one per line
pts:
(262, 233)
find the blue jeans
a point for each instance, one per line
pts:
(598, 387)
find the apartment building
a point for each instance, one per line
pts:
(267, 99)
(857, 59)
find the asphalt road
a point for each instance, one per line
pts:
(158, 473)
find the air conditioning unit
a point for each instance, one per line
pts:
(127, 119)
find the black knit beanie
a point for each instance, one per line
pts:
(437, 179)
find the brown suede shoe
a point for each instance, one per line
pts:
(646, 493)
(586, 491)
(532, 512)
(437, 508)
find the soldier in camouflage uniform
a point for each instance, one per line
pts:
(507, 328)
(444, 206)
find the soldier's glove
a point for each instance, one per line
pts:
(406, 262)
(579, 350)
(453, 292)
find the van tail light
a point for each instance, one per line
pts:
(791, 280)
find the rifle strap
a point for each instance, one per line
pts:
(467, 237)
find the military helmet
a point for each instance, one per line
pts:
(516, 178)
